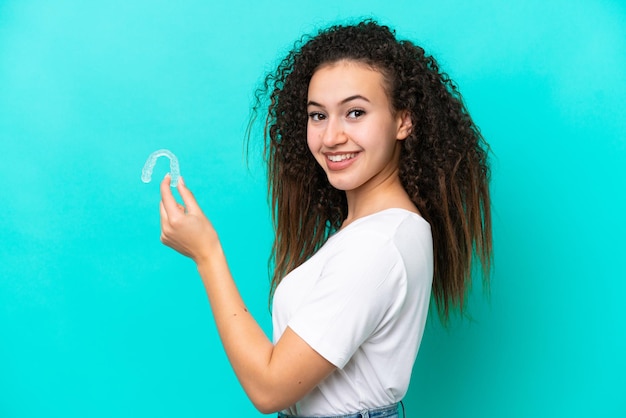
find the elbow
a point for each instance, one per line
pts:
(267, 403)
(266, 407)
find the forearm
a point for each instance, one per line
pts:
(247, 347)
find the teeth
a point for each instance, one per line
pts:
(341, 157)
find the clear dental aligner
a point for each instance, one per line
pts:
(146, 173)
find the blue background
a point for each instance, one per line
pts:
(98, 319)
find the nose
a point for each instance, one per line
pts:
(334, 134)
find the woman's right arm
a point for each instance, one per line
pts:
(273, 376)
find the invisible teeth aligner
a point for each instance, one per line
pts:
(146, 173)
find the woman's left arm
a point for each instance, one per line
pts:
(273, 376)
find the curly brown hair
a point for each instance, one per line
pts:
(443, 163)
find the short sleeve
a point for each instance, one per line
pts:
(360, 286)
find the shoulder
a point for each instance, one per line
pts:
(390, 226)
(380, 241)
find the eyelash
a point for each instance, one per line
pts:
(317, 116)
(358, 113)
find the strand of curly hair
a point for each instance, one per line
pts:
(443, 163)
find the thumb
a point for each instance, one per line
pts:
(188, 199)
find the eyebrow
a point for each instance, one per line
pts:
(346, 100)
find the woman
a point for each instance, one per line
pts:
(378, 180)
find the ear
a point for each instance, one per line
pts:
(405, 125)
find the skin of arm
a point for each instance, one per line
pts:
(273, 376)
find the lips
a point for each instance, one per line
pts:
(340, 161)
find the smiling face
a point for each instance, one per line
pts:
(352, 131)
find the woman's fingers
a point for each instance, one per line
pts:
(167, 198)
(169, 209)
(163, 213)
(188, 198)
(164, 221)
(184, 227)
(171, 206)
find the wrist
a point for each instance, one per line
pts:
(210, 258)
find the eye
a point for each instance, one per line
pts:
(355, 113)
(316, 116)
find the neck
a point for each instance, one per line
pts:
(386, 194)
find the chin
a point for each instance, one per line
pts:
(342, 185)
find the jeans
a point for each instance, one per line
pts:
(390, 411)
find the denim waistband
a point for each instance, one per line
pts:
(389, 411)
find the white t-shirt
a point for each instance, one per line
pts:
(361, 302)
